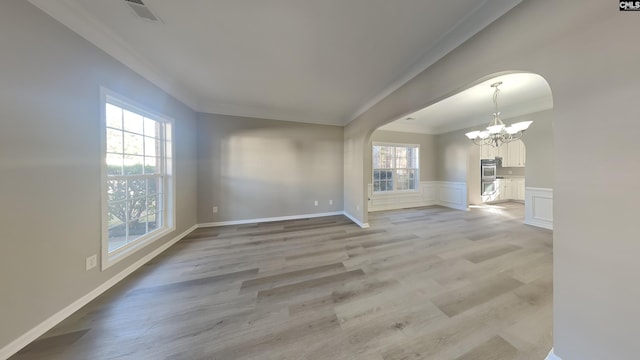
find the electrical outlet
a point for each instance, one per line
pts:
(330, 202)
(215, 209)
(315, 203)
(91, 262)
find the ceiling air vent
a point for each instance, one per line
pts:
(141, 10)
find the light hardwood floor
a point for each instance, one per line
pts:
(425, 283)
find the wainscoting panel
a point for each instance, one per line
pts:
(539, 207)
(429, 192)
(453, 194)
(445, 193)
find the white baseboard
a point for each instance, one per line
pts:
(269, 219)
(355, 220)
(37, 331)
(552, 356)
(538, 209)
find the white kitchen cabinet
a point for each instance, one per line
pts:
(515, 154)
(487, 152)
(517, 188)
(504, 189)
(508, 189)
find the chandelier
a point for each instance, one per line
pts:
(496, 133)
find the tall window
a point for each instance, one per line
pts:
(395, 167)
(137, 178)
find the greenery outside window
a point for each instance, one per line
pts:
(395, 167)
(137, 181)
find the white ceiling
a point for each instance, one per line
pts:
(520, 94)
(319, 61)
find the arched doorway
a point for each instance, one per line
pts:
(450, 164)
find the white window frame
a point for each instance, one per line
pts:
(168, 164)
(394, 191)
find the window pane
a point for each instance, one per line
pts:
(133, 165)
(116, 190)
(383, 186)
(401, 157)
(117, 213)
(376, 156)
(133, 144)
(412, 157)
(114, 141)
(376, 174)
(152, 204)
(376, 186)
(150, 165)
(133, 122)
(402, 180)
(383, 157)
(117, 241)
(117, 225)
(136, 208)
(154, 222)
(151, 128)
(136, 228)
(154, 186)
(136, 188)
(413, 180)
(113, 116)
(389, 185)
(114, 164)
(151, 146)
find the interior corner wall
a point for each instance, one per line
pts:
(257, 168)
(427, 155)
(50, 164)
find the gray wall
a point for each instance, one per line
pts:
(50, 218)
(256, 168)
(453, 150)
(595, 176)
(427, 151)
(538, 141)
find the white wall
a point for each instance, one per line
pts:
(585, 50)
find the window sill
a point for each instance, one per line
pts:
(110, 259)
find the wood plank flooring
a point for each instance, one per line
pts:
(424, 283)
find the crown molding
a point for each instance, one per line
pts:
(266, 112)
(73, 16)
(486, 13)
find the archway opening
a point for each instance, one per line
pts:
(449, 165)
